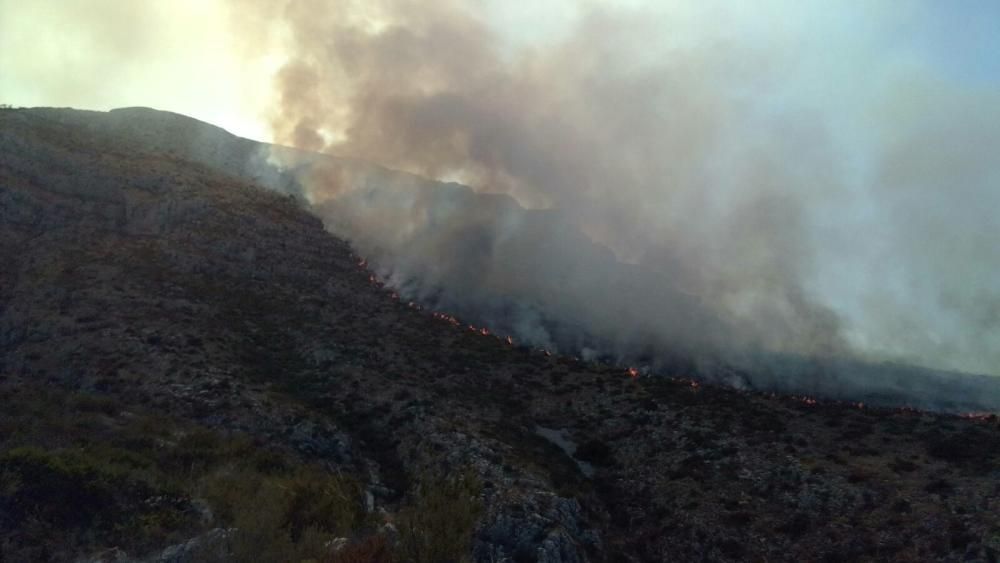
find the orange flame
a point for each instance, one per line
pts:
(979, 416)
(448, 318)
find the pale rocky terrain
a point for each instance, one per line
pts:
(167, 325)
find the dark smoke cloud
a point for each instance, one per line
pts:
(644, 192)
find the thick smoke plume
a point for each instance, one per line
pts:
(689, 187)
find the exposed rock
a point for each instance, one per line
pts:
(212, 542)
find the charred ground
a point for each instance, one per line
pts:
(185, 355)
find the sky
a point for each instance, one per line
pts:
(186, 55)
(102, 54)
(872, 124)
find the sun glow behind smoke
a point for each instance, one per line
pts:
(104, 54)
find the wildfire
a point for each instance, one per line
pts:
(689, 382)
(482, 331)
(447, 318)
(632, 372)
(981, 416)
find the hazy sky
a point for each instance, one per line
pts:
(876, 124)
(100, 54)
(188, 56)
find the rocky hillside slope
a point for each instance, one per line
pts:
(530, 273)
(191, 368)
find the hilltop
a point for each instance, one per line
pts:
(193, 368)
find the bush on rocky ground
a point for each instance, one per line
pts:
(439, 524)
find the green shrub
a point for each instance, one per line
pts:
(438, 527)
(100, 495)
(200, 451)
(282, 517)
(63, 488)
(332, 504)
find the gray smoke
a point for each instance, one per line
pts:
(646, 193)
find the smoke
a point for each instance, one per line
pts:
(776, 193)
(707, 184)
(761, 192)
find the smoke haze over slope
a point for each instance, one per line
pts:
(698, 180)
(797, 181)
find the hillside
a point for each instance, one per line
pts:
(192, 368)
(531, 273)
